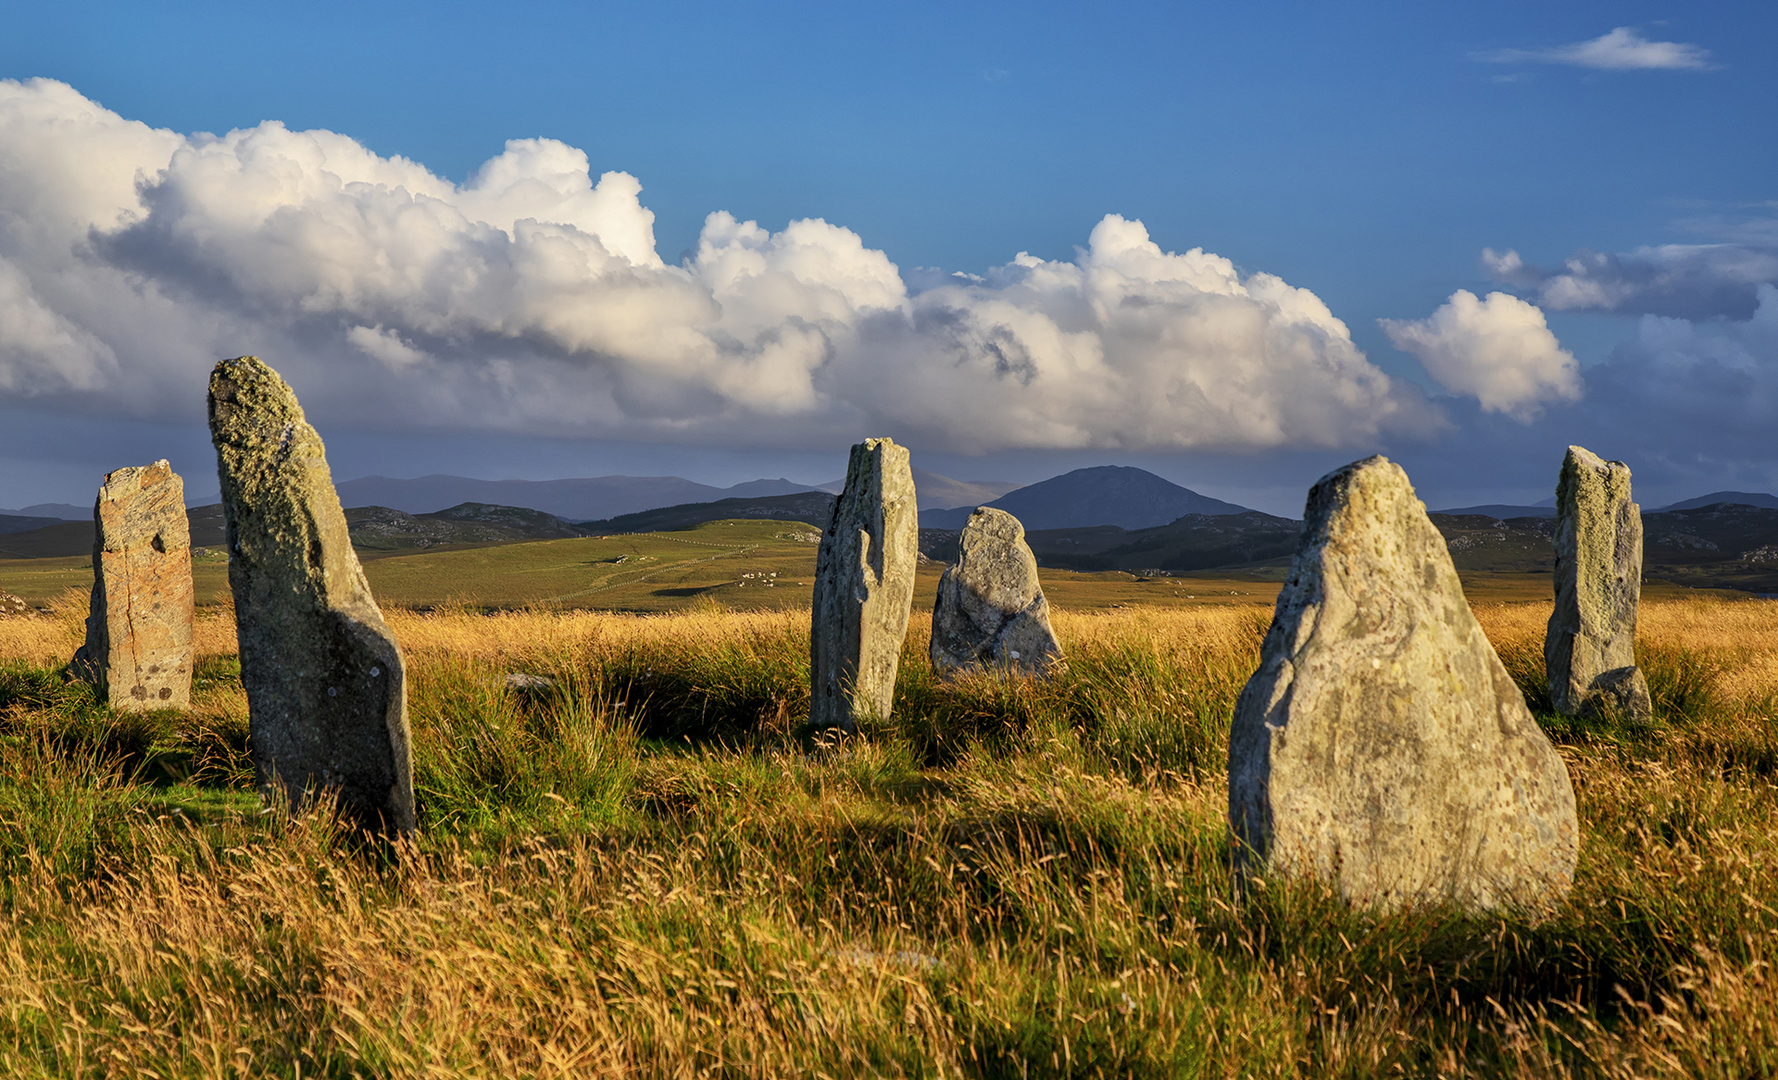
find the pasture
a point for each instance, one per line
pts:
(639, 871)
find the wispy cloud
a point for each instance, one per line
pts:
(1624, 49)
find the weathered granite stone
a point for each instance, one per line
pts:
(1589, 652)
(137, 652)
(864, 589)
(326, 688)
(1381, 746)
(990, 608)
(13, 607)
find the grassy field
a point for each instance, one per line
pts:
(636, 872)
(742, 565)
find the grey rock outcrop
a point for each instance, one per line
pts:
(1381, 746)
(1589, 652)
(864, 589)
(990, 609)
(326, 687)
(137, 652)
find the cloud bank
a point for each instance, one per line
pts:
(1686, 281)
(531, 298)
(1623, 49)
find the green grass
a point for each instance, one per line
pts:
(638, 870)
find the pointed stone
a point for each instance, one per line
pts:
(326, 688)
(137, 652)
(864, 589)
(1381, 746)
(990, 609)
(1589, 652)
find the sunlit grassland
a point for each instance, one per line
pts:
(638, 870)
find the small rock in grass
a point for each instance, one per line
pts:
(991, 610)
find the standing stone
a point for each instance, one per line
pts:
(326, 689)
(864, 589)
(1590, 650)
(138, 627)
(990, 609)
(1381, 746)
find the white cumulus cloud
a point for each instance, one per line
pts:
(531, 298)
(1622, 49)
(1498, 350)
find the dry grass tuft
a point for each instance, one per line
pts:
(636, 870)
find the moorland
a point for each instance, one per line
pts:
(631, 865)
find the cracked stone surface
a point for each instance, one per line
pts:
(326, 686)
(1381, 746)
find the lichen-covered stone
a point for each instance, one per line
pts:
(326, 688)
(1381, 746)
(137, 652)
(864, 589)
(13, 607)
(990, 609)
(1589, 652)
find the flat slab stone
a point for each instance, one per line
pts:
(1589, 652)
(1381, 746)
(326, 686)
(864, 589)
(137, 652)
(990, 610)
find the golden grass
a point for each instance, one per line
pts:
(1051, 898)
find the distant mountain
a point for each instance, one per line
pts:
(813, 507)
(54, 511)
(935, 492)
(1735, 498)
(1104, 495)
(572, 500)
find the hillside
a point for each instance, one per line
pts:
(813, 507)
(577, 499)
(1739, 498)
(1194, 542)
(18, 523)
(1104, 495)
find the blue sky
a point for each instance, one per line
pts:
(1365, 153)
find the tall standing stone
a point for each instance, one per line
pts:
(1589, 652)
(137, 652)
(326, 689)
(990, 609)
(864, 589)
(1381, 746)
